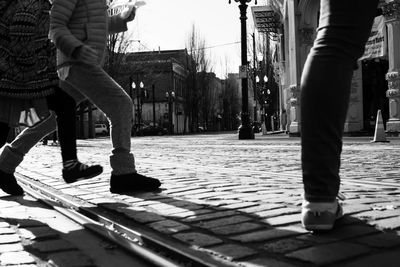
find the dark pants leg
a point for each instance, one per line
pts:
(4, 131)
(65, 108)
(325, 88)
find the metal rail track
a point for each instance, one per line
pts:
(154, 249)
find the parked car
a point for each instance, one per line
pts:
(100, 129)
(151, 130)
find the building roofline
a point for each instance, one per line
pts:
(159, 51)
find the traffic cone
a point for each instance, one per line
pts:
(380, 135)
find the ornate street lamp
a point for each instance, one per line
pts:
(245, 130)
(138, 102)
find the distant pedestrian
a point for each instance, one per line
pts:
(344, 28)
(29, 92)
(79, 30)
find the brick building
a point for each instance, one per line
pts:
(159, 79)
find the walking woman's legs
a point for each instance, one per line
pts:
(94, 83)
(109, 97)
(13, 154)
(325, 87)
(65, 108)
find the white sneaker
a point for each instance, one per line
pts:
(320, 216)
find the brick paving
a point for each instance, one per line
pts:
(240, 199)
(26, 241)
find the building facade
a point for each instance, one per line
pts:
(166, 91)
(210, 91)
(157, 82)
(231, 102)
(291, 29)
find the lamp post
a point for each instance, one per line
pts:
(138, 102)
(245, 130)
(170, 95)
(259, 85)
(253, 35)
(265, 92)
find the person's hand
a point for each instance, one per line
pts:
(129, 12)
(86, 54)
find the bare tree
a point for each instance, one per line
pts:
(117, 46)
(198, 90)
(230, 98)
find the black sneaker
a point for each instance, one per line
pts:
(9, 184)
(80, 172)
(133, 182)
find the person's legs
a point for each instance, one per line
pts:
(108, 96)
(325, 87)
(8, 183)
(13, 154)
(65, 108)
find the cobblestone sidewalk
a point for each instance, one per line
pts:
(240, 199)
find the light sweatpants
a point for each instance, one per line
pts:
(13, 154)
(93, 83)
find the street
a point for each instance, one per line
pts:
(34, 234)
(240, 199)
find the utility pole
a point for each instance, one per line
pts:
(254, 76)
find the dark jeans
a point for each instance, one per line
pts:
(65, 108)
(343, 30)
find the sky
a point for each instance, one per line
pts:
(166, 24)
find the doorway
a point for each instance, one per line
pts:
(374, 92)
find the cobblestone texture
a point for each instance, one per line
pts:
(241, 199)
(26, 241)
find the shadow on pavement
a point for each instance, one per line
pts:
(32, 234)
(249, 238)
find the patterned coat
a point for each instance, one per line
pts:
(27, 57)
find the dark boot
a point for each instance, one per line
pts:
(9, 184)
(133, 182)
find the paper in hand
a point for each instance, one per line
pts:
(139, 4)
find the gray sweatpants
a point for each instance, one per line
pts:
(93, 83)
(13, 154)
